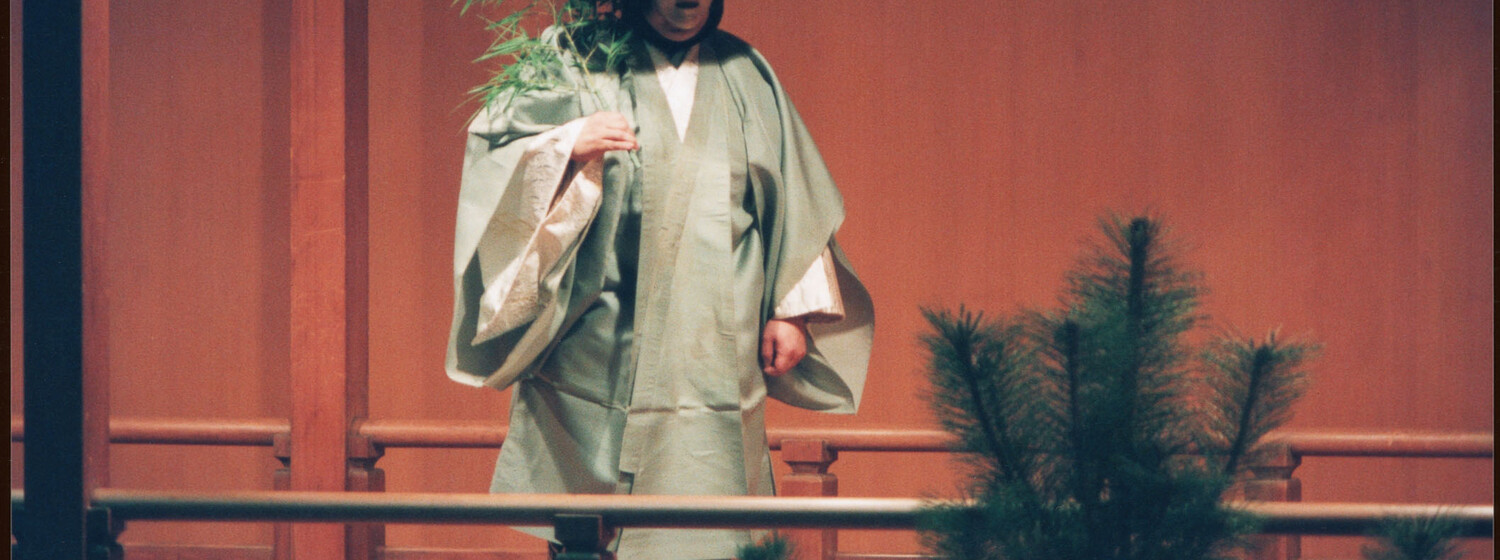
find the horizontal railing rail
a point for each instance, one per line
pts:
(676, 511)
(470, 434)
(253, 432)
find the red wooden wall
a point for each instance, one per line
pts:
(1330, 165)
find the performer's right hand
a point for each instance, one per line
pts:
(604, 131)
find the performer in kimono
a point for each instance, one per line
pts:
(644, 313)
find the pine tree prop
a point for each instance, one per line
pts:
(774, 546)
(1095, 431)
(1420, 538)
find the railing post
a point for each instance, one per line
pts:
(281, 533)
(103, 534)
(810, 459)
(1272, 480)
(583, 537)
(364, 540)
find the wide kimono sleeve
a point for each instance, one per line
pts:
(800, 210)
(522, 211)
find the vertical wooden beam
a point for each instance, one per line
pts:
(364, 541)
(66, 159)
(357, 203)
(101, 528)
(319, 304)
(95, 219)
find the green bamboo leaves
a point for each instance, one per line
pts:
(1097, 430)
(585, 36)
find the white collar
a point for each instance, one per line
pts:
(679, 83)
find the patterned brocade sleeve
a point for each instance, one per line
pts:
(558, 203)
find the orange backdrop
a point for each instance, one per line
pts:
(1330, 165)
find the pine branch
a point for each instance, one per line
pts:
(774, 546)
(956, 365)
(1255, 388)
(1068, 341)
(1139, 237)
(1135, 303)
(1258, 370)
(1421, 538)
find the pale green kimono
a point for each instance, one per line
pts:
(627, 312)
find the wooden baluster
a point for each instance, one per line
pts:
(365, 540)
(810, 459)
(1273, 481)
(103, 534)
(583, 537)
(281, 533)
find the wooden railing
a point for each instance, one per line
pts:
(810, 453)
(596, 517)
(625, 511)
(439, 434)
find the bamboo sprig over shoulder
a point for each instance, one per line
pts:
(586, 36)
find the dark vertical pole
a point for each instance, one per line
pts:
(54, 523)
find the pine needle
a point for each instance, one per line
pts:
(774, 546)
(1419, 538)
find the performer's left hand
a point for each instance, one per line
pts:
(783, 343)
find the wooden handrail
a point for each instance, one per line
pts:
(512, 509)
(433, 433)
(197, 431)
(1359, 519)
(474, 434)
(184, 431)
(675, 511)
(1393, 444)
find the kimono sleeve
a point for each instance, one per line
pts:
(522, 211)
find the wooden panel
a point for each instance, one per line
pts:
(198, 241)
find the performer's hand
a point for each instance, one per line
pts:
(783, 343)
(604, 131)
